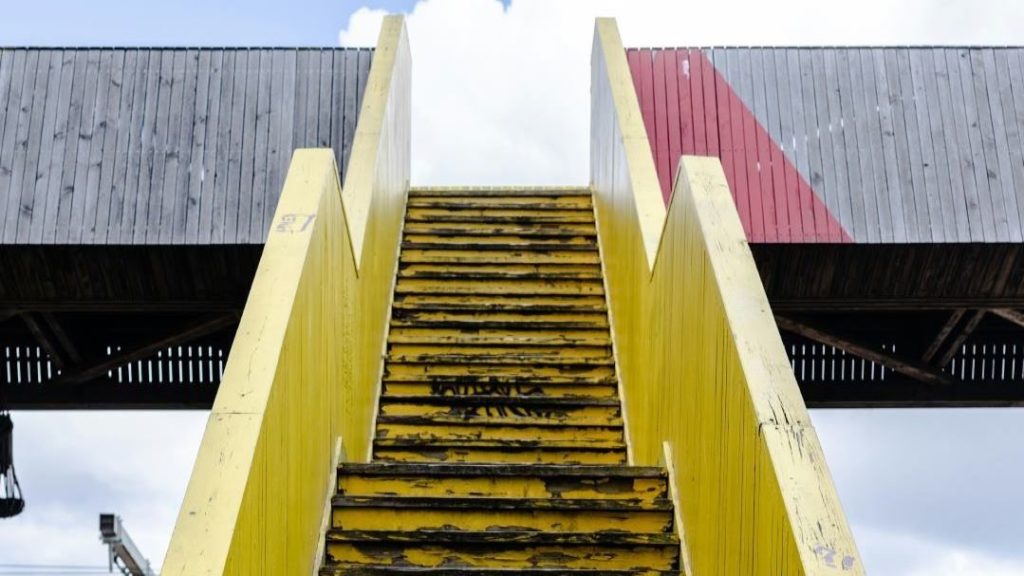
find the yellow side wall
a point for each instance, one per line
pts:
(701, 363)
(304, 368)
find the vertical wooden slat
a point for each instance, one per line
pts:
(885, 97)
(736, 116)
(287, 122)
(323, 130)
(235, 182)
(660, 141)
(851, 154)
(301, 88)
(98, 214)
(788, 128)
(172, 225)
(30, 227)
(218, 198)
(274, 144)
(1013, 87)
(816, 87)
(851, 210)
(162, 225)
(312, 110)
(57, 146)
(912, 116)
(722, 101)
(745, 93)
(18, 143)
(873, 139)
(815, 217)
(785, 229)
(83, 224)
(700, 136)
(998, 145)
(770, 202)
(261, 152)
(670, 63)
(109, 214)
(686, 108)
(930, 190)
(862, 153)
(993, 225)
(71, 143)
(148, 227)
(936, 128)
(952, 160)
(207, 93)
(352, 88)
(136, 144)
(87, 137)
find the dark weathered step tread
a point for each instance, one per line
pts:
(488, 503)
(508, 445)
(518, 307)
(511, 191)
(493, 400)
(486, 470)
(509, 359)
(511, 421)
(502, 275)
(331, 570)
(540, 230)
(507, 380)
(538, 203)
(504, 537)
(485, 247)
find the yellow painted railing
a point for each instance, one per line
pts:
(304, 368)
(701, 363)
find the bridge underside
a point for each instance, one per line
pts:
(900, 325)
(149, 327)
(118, 327)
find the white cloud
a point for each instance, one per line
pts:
(363, 27)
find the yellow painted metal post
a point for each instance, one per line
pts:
(701, 362)
(305, 365)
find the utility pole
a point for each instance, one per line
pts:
(124, 555)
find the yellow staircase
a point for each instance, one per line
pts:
(499, 441)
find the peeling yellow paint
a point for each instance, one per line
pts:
(700, 359)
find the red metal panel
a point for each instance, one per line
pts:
(675, 148)
(700, 138)
(728, 149)
(685, 102)
(689, 107)
(710, 108)
(661, 157)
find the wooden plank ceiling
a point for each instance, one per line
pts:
(163, 146)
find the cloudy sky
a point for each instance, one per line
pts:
(501, 97)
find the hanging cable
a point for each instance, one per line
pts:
(11, 500)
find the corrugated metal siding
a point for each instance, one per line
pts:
(163, 146)
(870, 145)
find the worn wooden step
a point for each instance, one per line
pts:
(509, 359)
(502, 202)
(399, 513)
(490, 452)
(419, 571)
(484, 336)
(506, 302)
(512, 431)
(484, 246)
(499, 391)
(510, 256)
(502, 319)
(470, 286)
(501, 272)
(497, 373)
(506, 549)
(430, 352)
(493, 410)
(519, 230)
(476, 192)
(498, 215)
(641, 484)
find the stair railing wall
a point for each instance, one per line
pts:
(701, 363)
(305, 366)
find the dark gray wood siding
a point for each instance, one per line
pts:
(866, 145)
(163, 146)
